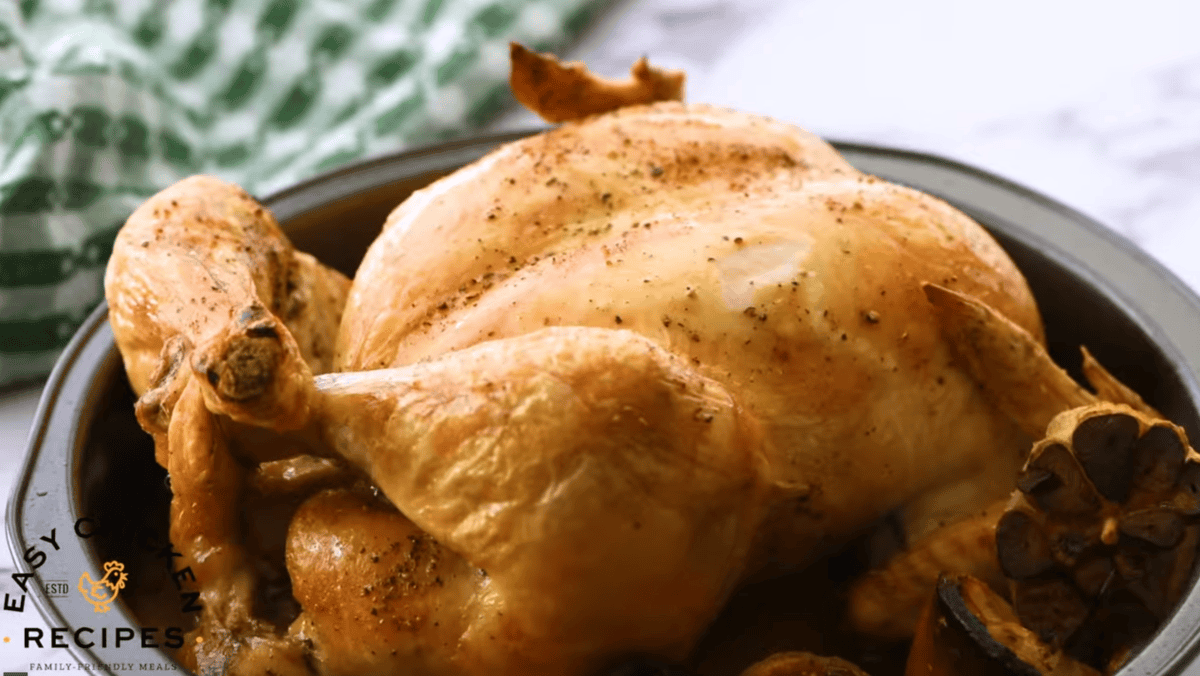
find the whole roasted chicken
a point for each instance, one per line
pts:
(751, 376)
(581, 390)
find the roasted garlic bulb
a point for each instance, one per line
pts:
(1101, 538)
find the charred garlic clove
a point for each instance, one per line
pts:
(1101, 522)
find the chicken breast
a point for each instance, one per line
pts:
(754, 252)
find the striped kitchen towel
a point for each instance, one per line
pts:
(104, 102)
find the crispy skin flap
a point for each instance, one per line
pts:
(560, 92)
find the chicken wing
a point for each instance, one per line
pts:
(207, 529)
(1098, 540)
(202, 281)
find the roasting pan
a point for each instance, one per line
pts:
(90, 478)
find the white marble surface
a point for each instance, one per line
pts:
(1095, 103)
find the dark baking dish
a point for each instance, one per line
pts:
(90, 471)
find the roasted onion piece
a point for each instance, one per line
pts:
(967, 628)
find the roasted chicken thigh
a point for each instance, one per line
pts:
(604, 493)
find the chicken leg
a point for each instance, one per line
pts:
(609, 493)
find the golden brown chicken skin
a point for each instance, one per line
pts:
(207, 529)
(748, 248)
(559, 92)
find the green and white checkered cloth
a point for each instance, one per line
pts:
(104, 102)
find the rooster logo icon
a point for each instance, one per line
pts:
(101, 593)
